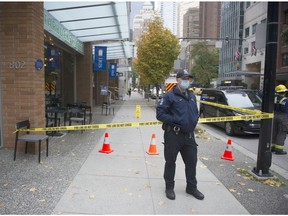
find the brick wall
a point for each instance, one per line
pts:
(21, 44)
(84, 76)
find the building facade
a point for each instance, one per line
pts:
(253, 49)
(168, 12)
(191, 25)
(232, 19)
(209, 19)
(147, 13)
(183, 6)
(41, 60)
(282, 48)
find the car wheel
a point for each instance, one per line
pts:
(229, 129)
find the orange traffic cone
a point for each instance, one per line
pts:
(228, 151)
(106, 146)
(152, 149)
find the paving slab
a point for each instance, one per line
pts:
(129, 181)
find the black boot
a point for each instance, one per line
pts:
(170, 194)
(196, 193)
(280, 152)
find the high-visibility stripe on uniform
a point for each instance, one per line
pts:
(169, 86)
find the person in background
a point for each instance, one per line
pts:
(280, 121)
(129, 92)
(178, 111)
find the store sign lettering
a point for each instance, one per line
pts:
(58, 30)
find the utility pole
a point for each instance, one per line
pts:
(264, 157)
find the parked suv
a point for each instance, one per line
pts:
(237, 97)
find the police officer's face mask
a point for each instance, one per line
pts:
(184, 84)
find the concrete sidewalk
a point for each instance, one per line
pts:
(129, 181)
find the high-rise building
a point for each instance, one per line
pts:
(191, 23)
(209, 19)
(169, 13)
(135, 9)
(183, 6)
(253, 48)
(146, 14)
(232, 17)
(282, 50)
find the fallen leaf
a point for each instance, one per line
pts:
(250, 190)
(241, 183)
(5, 185)
(273, 182)
(147, 186)
(193, 210)
(203, 166)
(232, 190)
(204, 158)
(32, 190)
(91, 197)
(130, 194)
(247, 178)
(125, 189)
(161, 202)
(42, 200)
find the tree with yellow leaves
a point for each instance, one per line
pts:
(157, 49)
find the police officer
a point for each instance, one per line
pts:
(178, 111)
(280, 121)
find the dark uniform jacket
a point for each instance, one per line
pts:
(281, 104)
(178, 109)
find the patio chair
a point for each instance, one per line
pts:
(27, 137)
(78, 115)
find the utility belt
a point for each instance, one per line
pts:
(176, 129)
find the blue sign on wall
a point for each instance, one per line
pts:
(103, 90)
(53, 58)
(112, 69)
(100, 60)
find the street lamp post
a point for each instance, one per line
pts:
(264, 157)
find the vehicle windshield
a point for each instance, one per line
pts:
(243, 100)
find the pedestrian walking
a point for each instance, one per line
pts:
(280, 121)
(177, 109)
(129, 92)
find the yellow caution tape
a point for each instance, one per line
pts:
(147, 123)
(256, 114)
(236, 118)
(95, 126)
(231, 107)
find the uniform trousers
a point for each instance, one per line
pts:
(185, 144)
(280, 128)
